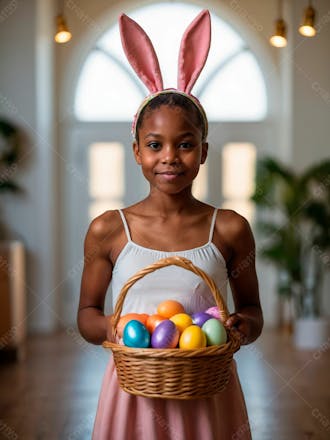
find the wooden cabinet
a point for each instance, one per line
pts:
(12, 298)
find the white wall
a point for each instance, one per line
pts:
(26, 98)
(311, 90)
(311, 102)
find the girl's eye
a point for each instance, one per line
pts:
(185, 145)
(154, 145)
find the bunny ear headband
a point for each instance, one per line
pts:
(193, 53)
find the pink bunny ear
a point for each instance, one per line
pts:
(140, 53)
(194, 49)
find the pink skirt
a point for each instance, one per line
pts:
(122, 416)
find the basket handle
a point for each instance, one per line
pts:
(169, 261)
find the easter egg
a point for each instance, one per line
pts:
(192, 337)
(136, 335)
(165, 335)
(169, 308)
(213, 311)
(215, 332)
(182, 321)
(199, 318)
(142, 317)
(153, 321)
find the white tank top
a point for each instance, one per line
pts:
(170, 282)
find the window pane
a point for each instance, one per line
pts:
(106, 170)
(237, 92)
(242, 207)
(238, 170)
(200, 185)
(238, 177)
(98, 207)
(104, 91)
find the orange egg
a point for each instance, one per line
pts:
(169, 308)
(153, 321)
(142, 317)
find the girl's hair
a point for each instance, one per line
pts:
(172, 100)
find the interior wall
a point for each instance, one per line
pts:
(311, 89)
(311, 104)
(26, 99)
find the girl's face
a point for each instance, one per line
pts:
(170, 148)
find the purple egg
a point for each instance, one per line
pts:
(165, 335)
(200, 317)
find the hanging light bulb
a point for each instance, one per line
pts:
(63, 35)
(307, 28)
(278, 39)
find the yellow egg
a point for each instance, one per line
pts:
(192, 337)
(182, 321)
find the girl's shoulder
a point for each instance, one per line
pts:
(231, 219)
(232, 226)
(105, 225)
(106, 235)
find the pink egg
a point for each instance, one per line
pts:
(214, 311)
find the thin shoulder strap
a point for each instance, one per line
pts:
(128, 235)
(213, 224)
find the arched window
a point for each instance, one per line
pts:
(231, 86)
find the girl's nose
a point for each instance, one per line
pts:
(170, 155)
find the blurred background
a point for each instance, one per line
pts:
(66, 108)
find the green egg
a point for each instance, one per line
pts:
(215, 332)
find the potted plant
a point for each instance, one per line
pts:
(295, 220)
(9, 156)
(12, 254)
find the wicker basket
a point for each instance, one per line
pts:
(173, 373)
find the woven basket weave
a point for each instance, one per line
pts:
(173, 373)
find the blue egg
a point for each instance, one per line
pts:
(136, 335)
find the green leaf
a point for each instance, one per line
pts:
(9, 186)
(268, 228)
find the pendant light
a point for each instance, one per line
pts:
(278, 39)
(63, 35)
(307, 28)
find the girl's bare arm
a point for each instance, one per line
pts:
(248, 318)
(92, 323)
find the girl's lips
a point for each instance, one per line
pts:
(170, 175)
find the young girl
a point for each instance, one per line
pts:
(170, 145)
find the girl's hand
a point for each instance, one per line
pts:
(247, 319)
(109, 325)
(241, 325)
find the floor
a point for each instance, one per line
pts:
(53, 394)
